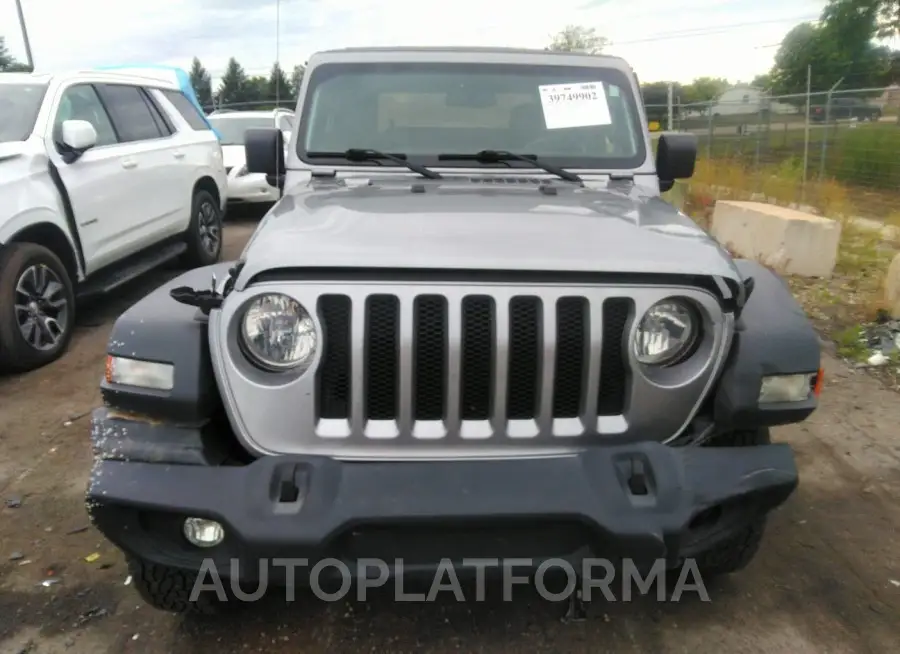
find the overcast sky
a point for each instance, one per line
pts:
(677, 40)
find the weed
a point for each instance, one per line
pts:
(851, 344)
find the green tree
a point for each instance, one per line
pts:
(8, 63)
(888, 17)
(279, 86)
(840, 47)
(575, 38)
(297, 77)
(233, 88)
(202, 83)
(762, 82)
(893, 74)
(704, 89)
(256, 90)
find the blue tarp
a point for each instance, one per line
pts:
(184, 82)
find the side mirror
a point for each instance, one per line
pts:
(264, 151)
(676, 155)
(77, 137)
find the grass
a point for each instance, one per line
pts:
(854, 295)
(865, 159)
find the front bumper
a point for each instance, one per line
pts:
(643, 502)
(250, 188)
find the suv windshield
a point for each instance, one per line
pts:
(19, 106)
(567, 116)
(232, 127)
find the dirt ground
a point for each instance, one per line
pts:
(826, 581)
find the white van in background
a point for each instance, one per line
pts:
(231, 126)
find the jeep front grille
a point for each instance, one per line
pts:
(496, 376)
(413, 369)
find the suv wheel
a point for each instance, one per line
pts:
(738, 550)
(37, 307)
(169, 589)
(204, 235)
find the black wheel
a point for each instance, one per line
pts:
(37, 307)
(169, 589)
(738, 550)
(204, 235)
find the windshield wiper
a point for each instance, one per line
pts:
(365, 154)
(500, 156)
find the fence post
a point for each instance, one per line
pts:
(712, 130)
(806, 135)
(826, 127)
(669, 103)
(759, 120)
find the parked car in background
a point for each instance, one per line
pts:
(845, 109)
(231, 126)
(104, 175)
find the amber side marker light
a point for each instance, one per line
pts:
(820, 380)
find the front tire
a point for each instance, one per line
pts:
(37, 307)
(169, 589)
(737, 551)
(204, 235)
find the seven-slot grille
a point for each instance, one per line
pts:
(461, 344)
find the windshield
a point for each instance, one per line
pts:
(569, 116)
(19, 106)
(232, 128)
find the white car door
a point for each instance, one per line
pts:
(162, 190)
(99, 183)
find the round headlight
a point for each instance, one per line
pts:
(666, 332)
(277, 333)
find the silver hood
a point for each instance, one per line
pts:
(462, 224)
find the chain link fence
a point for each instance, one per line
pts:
(849, 138)
(255, 105)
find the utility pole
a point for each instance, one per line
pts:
(24, 34)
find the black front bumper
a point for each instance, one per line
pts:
(643, 502)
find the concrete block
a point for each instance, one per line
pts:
(790, 241)
(892, 287)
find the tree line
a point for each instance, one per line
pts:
(8, 63)
(842, 46)
(236, 88)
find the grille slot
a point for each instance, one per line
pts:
(472, 360)
(614, 378)
(382, 350)
(572, 342)
(524, 358)
(430, 357)
(477, 369)
(334, 370)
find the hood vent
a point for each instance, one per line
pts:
(504, 180)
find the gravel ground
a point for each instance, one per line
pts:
(827, 578)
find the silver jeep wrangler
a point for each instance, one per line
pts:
(470, 328)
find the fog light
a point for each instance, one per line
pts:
(786, 388)
(203, 533)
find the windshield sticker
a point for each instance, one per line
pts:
(574, 105)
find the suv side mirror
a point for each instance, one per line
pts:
(676, 155)
(77, 137)
(264, 151)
